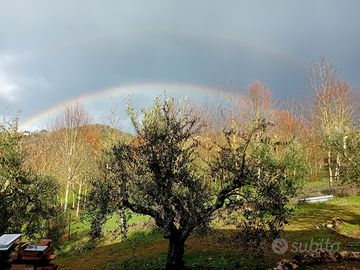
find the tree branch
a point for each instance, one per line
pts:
(146, 211)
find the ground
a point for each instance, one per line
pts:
(146, 249)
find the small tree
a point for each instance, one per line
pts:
(158, 176)
(100, 206)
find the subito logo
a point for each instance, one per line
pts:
(280, 246)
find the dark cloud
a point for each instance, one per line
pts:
(53, 51)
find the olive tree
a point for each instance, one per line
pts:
(159, 176)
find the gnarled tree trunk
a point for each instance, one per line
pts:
(175, 253)
(123, 221)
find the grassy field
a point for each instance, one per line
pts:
(146, 248)
(82, 228)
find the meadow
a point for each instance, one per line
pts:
(146, 248)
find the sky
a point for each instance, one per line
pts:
(97, 52)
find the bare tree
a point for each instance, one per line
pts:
(333, 110)
(258, 98)
(70, 145)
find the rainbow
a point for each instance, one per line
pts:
(141, 88)
(180, 90)
(85, 39)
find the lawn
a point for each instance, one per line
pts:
(77, 227)
(146, 248)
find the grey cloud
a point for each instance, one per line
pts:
(64, 49)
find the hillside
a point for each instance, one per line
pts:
(31, 139)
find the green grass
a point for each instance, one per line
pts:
(309, 215)
(135, 263)
(224, 259)
(75, 246)
(349, 228)
(316, 184)
(350, 204)
(146, 236)
(146, 248)
(77, 227)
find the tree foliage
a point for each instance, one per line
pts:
(347, 146)
(157, 175)
(336, 107)
(257, 183)
(100, 207)
(27, 199)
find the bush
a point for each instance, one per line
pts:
(56, 227)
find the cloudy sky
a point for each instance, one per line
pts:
(52, 52)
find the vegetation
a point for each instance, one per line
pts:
(146, 248)
(27, 199)
(230, 171)
(159, 176)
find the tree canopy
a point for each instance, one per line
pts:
(159, 175)
(26, 198)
